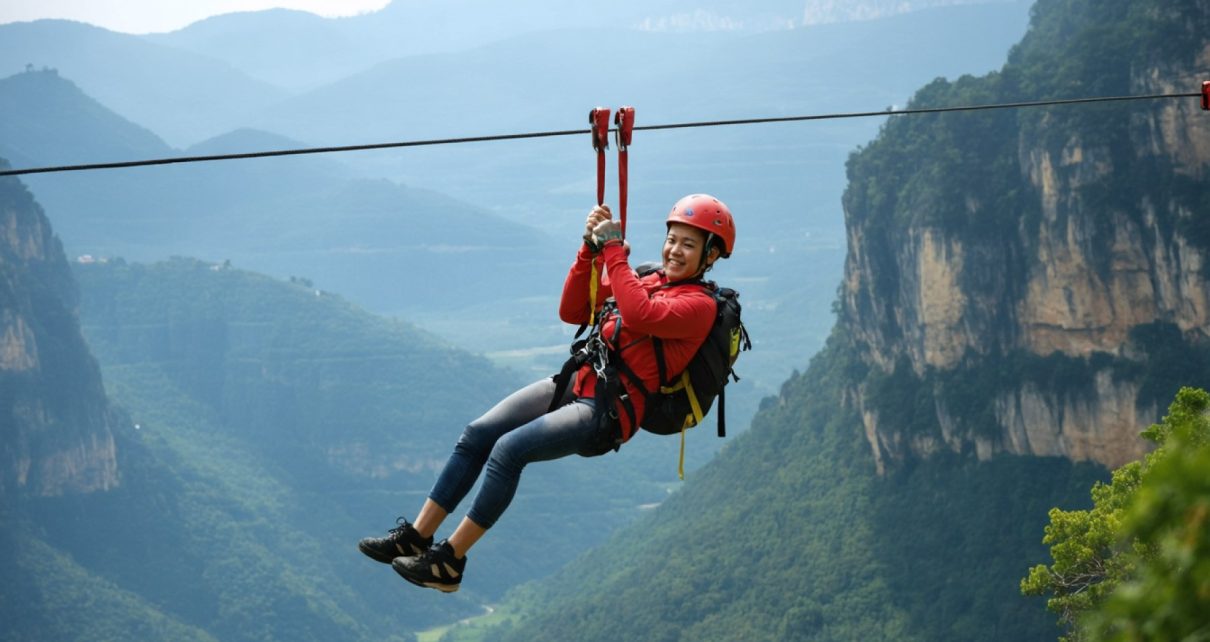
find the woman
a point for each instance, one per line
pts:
(523, 428)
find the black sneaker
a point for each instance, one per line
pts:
(436, 568)
(402, 541)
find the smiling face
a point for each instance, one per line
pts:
(683, 248)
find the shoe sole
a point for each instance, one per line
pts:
(444, 588)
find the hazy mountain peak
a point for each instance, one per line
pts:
(244, 139)
(46, 118)
(828, 11)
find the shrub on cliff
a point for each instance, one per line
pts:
(1137, 565)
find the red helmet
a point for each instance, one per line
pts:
(706, 213)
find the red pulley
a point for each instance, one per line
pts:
(624, 120)
(599, 119)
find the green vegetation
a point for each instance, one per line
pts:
(969, 174)
(1136, 566)
(48, 596)
(790, 534)
(472, 629)
(270, 425)
(332, 393)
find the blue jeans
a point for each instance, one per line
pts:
(516, 432)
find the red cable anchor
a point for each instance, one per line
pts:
(599, 119)
(624, 120)
(1206, 95)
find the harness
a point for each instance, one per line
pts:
(609, 366)
(612, 371)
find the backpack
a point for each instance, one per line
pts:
(682, 402)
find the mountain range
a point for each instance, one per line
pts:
(280, 216)
(1019, 292)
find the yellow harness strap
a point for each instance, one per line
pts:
(593, 283)
(691, 420)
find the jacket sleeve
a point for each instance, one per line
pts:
(671, 317)
(573, 305)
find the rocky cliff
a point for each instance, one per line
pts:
(1024, 281)
(56, 426)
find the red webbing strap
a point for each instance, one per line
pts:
(624, 120)
(599, 119)
(1206, 95)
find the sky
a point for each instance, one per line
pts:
(151, 16)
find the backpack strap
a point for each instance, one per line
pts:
(722, 412)
(657, 345)
(579, 356)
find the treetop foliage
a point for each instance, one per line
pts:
(1136, 566)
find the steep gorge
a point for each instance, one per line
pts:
(1012, 270)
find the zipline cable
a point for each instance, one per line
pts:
(581, 132)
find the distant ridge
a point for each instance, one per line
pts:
(183, 96)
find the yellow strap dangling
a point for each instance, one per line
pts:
(691, 420)
(680, 467)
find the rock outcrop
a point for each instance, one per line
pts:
(56, 426)
(1054, 234)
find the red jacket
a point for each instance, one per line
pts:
(681, 317)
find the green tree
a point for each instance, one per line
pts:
(1137, 565)
(1168, 597)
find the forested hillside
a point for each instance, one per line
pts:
(881, 494)
(328, 391)
(266, 426)
(355, 413)
(789, 534)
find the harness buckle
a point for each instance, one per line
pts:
(623, 399)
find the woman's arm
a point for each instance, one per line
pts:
(671, 317)
(573, 306)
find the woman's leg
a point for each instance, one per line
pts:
(429, 518)
(465, 536)
(475, 446)
(570, 430)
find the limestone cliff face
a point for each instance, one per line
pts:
(1099, 237)
(56, 432)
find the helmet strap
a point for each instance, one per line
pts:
(703, 267)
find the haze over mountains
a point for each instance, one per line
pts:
(295, 216)
(260, 425)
